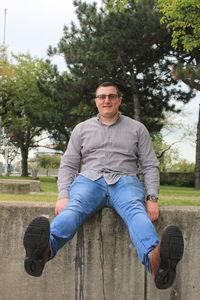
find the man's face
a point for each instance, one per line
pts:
(109, 106)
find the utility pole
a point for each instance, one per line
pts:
(4, 31)
(5, 140)
(197, 166)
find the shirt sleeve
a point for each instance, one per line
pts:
(70, 164)
(148, 162)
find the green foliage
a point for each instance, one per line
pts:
(48, 161)
(118, 5)
(189, 74)
(183, 165)
(166, 155)
(21, 102)
(130, 48)
(178, 172)
(6, 68)
(177, 179)
(67, 107)
(183, 17)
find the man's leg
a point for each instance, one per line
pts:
(160, 258)
(42, 240)
(86, 197)
(127, 197)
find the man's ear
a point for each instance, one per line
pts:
(94, 101)
(122, 99)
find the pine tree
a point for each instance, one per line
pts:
(130, 48)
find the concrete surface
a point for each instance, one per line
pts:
(17, 186)
(99, 263)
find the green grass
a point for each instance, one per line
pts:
(27, 197)
(169, 195)
(167, 190)
(173, 195)
(48, 184)
(16, 177)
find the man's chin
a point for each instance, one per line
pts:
(108, 114)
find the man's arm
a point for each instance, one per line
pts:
(150, 170)
(69, 167)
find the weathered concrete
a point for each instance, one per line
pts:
(14, 186)
(99, 263)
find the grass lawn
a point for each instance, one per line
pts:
(169, 195)
(174, 195)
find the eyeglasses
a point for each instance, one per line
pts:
(110, 97)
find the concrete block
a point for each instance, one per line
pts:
(14, 187)
(99, 263)
(17, 186)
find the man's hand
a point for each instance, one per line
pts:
(152, 210)
(60, 205)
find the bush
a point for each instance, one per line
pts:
(178, 178)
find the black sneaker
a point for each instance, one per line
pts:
(171, 252)
(36, 244)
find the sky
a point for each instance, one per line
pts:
(32, 26)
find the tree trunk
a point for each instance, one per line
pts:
(136, 101)
(197, 167)
(24, 164)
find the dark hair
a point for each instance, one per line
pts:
(109, 83)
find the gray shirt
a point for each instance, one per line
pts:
(110, 151)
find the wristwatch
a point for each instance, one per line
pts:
(152, 198)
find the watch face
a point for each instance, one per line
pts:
(154, 198)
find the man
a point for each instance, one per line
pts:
(108, 149)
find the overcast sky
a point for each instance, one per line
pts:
(31, 26)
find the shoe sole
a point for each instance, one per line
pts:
(171, 252)
(36, 240)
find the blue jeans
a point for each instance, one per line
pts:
(126, 197)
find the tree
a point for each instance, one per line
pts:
(20, 104)
(182, 165)
(183, 17)
(66, 108)
(5, 67)
(130, 48)
(12, 151)
(189, 74)
(48, 161)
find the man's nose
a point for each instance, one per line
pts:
(107, 99)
